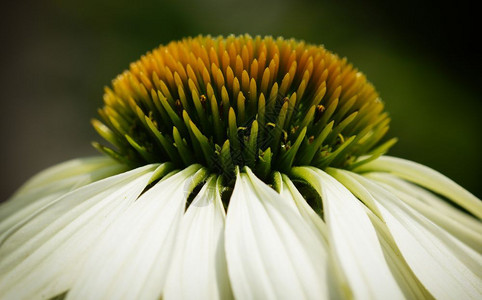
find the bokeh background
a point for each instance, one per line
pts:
(56, 57)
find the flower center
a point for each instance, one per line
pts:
(265, 103)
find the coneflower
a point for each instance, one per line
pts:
(247, 168)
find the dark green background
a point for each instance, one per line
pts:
(56, 56)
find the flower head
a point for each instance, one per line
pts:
(242, 167)
(242, 102)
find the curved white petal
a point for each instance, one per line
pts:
(436, 258)
(468, 256)
(353, 239)
(53, 183)
(271, 251)
(436, 203)
(71, 168)
(35, 229)
(41, 258)
(309, 215)
(199, 269)
(428, 178)
(406, 279)
(333, 276)
(408, 282)
(132, 258)
(461, 225)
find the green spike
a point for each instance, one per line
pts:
(241, 106)
(271, 104)
(183, 99)
(173, 115)
(253, 98)
(343, 109)
(374, 138)
(226, 160)
(161, 171)
(263, 166)
(309, 117)
(146, 155)
(233, 130)
(206, 148)
(121, 124)
(339, 128)
(367, 116)
(225, 101)
(301, 89)
(326, 115)
(320, 93)
(196, 147)
(376, 153)
(186, 155)
(275, 143)
(164, 116)
(106, 133)
(141, 116)
(324, 162)
(166, 145)
(149, 105)
(218, 126)
(252, 146)
(277, 182)
(308, 151)
(198, 178)
(165, 93)
(261, 111)
(291, 108)
(115, 155)
(287, 158)
(200, 110)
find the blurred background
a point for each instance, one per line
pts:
(56, 57)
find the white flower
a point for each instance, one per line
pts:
(299, 204)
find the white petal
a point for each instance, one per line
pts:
(41, 262)
(461, 225)
(429, 198)
(433, 255)
(309, 215)
(199, 268)
(132, 258)
(271, 251)
(428, 178)
(291, 194)
(71, 168)
(408, 282)
(53, 183)
(35, 229)
(468, 256)
(353, 239)
(405, 278)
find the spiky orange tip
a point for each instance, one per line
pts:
(240, 101)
